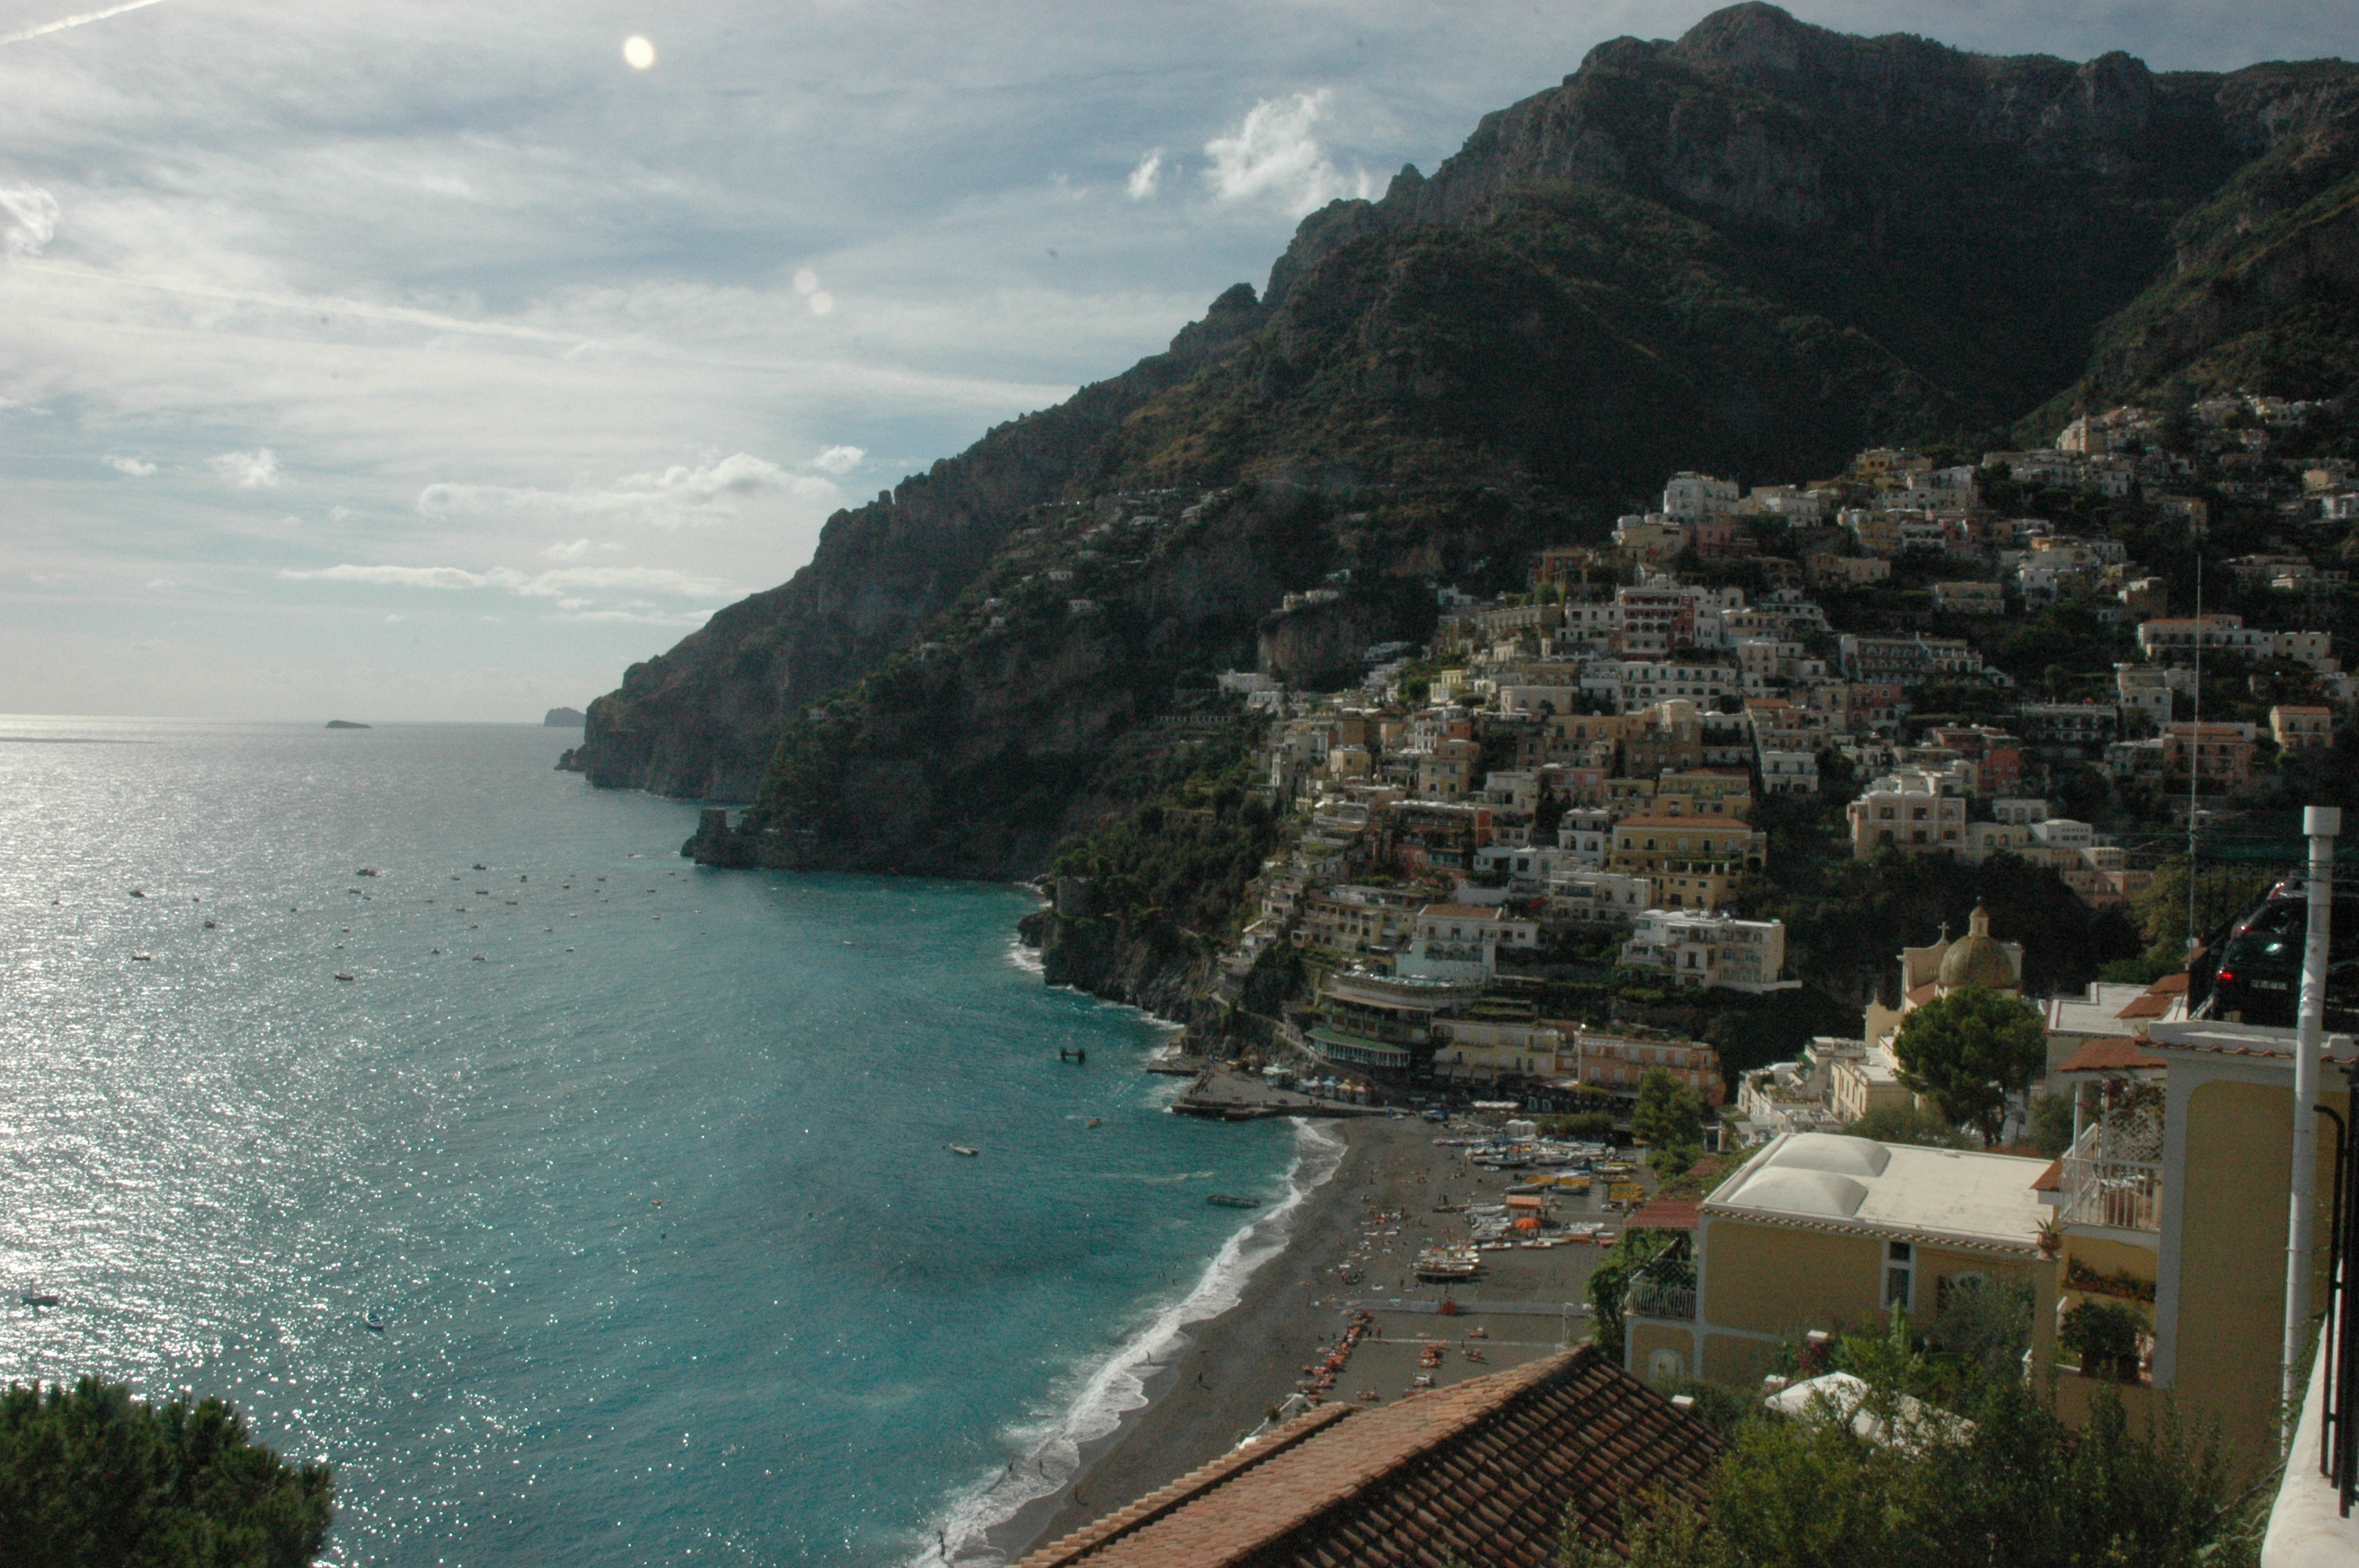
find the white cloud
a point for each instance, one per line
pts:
(838, 459)
(396, 619)
(1273, 158)
(1141, 183)
(28, 220)
(559, 582)
(806, 280)
(162, 584)
(137, 467)
(257, 470)
(674, 497)
(822, 303)
(579, 550)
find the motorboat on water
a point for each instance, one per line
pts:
(1230, 1200)
(374, 1320)
(963, 1149)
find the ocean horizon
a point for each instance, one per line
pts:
(607, 1212)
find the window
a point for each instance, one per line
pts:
(1900, 1274)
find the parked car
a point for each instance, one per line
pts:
(2252, 973)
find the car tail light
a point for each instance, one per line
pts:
(2225, 975)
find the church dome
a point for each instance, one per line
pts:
(1977, 960)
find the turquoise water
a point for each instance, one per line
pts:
(645, 1168)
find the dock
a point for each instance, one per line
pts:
(1233, 1097)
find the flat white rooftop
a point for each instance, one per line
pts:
(1825, 1178)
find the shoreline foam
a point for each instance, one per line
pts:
(1116, 1387)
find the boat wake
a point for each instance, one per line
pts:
(1101, 1396)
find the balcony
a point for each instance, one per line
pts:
(2113, 1173)
(1665, 1288)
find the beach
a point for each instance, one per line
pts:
(1231, 1372)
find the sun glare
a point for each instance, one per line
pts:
(637, 53)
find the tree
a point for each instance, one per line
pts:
(1970, 1049)
(92, 1476)
(1669, 1115)
(1907, 1124)
(2016, 1485)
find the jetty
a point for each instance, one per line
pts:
(1219, 1095)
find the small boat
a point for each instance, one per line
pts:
(141, 959)
(39, 1299)
(374, 1320)
(1230, 1200)
(1097, 1121)
(343, 977)
(1081, 1056)
(963, 1149)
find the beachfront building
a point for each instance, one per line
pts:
(1493, 1470)
(1617, 1064)
(1821, 1232)
(1367, 1020)
(1484, 1050)
(1694, 949)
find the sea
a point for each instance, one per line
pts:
(578, 1205)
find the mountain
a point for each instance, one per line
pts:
(1754, 250)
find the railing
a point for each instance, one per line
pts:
(2113, 1175)
(1665, 1288)
(2338, 1363)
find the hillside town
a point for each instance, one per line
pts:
(1579, 768)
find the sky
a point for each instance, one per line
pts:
(435, 363)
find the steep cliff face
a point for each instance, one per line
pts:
(1754, 250)
(703, 720)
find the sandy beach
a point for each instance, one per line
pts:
(1238, 1367)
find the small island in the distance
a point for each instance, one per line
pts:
(564, 718)
(345, 724)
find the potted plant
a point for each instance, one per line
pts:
(2051, 1239)
(2104, 1335)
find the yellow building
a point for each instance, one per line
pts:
(2175, 1200)
(2171, 1201)
(1823, 1232)
(1693, 861)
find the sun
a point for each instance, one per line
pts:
(637, 53)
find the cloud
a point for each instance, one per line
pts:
(28, 220)
(838, 459)
(1141, 183)
(257, 470)
(82, 20)
(561, 582)
(162, 584)
(137, 467)
(396, 619)
(1272, 157)
(579, 550)
(675, 497)
(394, 577)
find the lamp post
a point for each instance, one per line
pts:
(2322, 824)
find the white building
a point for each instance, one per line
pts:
(1790, 773)
(1690, 497)
(1461, 942)
(1913, 810)
(1692, 948)
(1599, 898)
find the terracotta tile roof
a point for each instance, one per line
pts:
(2050, 1180)
(2169, 985)
(2147, 1005)
(2116, 1053)
(1482, 1471)
(1665, 1214)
